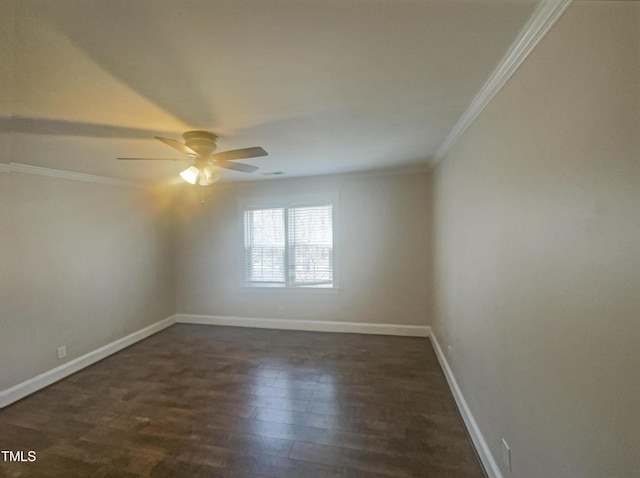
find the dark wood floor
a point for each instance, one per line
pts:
(232, 402)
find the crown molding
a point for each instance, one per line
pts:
(74, 176)
(542, 19)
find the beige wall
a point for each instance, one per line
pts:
(7, 54)
(382, 261)
(81, 264)
(537, 253)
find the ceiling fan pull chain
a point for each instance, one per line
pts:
(201, 194)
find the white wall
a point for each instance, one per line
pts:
(537, 253)
(382, 258)
(82, 264)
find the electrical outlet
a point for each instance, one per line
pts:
(506, 454)
(62, 351)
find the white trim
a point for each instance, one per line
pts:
(542, 19)
(262, 289)
(4, 168)
(45, 379)
(58, 173)
(484, 452)
(308, 325)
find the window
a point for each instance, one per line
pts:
(289, 245)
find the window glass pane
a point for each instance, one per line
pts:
(264, 244)
(311, 245)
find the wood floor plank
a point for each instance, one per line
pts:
(202, 401)
(350, 458)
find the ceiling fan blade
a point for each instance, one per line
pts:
(243, 153)
(183, 148)
(154, 159)
(245, 168)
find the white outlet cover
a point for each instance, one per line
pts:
(62, 351)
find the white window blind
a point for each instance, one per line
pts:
(264, 246)
(311, 245)
(289, 246)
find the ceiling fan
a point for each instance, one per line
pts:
(199, 146)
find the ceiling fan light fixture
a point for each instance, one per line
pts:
(208, 175)
(190, 174)
(199, 147)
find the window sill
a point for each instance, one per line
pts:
(289, 290)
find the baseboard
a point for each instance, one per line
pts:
(308, 325)
(15, 393)
(488, 461)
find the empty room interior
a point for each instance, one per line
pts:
(355, 238)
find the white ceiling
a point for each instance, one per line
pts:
(325, 86)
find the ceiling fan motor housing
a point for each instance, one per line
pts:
(199, 147)
(202, 142)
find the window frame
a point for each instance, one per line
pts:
(287, 202)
